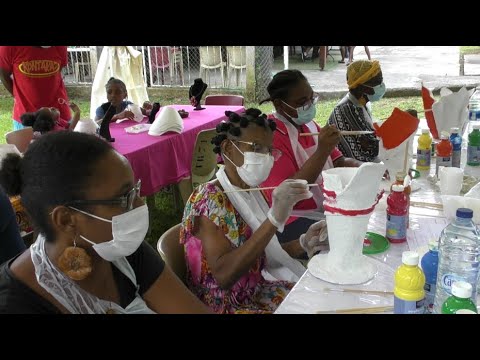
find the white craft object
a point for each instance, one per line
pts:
(355, 190)
(87, 126)
(451, 109)
(452, 202)
(167, 119)
(394, 159)
(137, 112)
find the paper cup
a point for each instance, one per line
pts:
(451, 180)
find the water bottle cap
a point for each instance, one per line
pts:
(425, 131)
(462, 289)
(433, 245)
(410, 258)
(464, 213)
(476, 126)
(445, 135)
(398, 188)
(454, 130)
(465, 312)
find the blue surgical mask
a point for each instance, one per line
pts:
(379, 91)
(304, 116)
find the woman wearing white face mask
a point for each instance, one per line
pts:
(353, 112)
(89, 256)
(229, 236)
(303, 157)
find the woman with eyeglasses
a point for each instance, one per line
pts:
(90, 256)
(303, 157)
(235, 263)
(353, 112)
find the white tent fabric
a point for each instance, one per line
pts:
(124, 63)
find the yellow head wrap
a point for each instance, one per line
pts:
(360, 71)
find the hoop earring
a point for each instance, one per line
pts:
(75, 262)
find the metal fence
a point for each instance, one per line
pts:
(82, 65)
(170, 66)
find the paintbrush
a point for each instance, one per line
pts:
(259, 189)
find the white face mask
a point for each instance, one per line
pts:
(128, 229)
(256, 167)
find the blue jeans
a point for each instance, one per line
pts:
(17, 125)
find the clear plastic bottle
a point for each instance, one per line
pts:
(458, 257)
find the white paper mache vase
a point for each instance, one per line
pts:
(348, 190)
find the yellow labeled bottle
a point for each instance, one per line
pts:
(409, 295)
(424, 150)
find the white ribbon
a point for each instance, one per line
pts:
(253, 208)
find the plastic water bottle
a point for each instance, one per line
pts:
(430, 267)
(456, 141)
(460, 299)
(409, 296)
(458, 257)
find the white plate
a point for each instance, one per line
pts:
(136, 129)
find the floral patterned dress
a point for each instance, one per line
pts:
(251, 293)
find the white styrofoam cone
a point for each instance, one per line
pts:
(87, 126)
(356, 189)
(137, 112)
(167, 119)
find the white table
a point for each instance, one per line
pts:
(309, 295)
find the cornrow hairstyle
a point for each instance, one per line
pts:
(113, 80)
(39, 121)
(232, 128)
(56, 169)
(282, 83)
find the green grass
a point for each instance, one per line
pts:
(165, 213)
(466, 50)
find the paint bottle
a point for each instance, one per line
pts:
(409, 296)
(424, 151)
(444, 152)
(397, 205)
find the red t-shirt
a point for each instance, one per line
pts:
(285, 167)
(37, 77)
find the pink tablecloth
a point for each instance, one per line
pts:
(163, 160)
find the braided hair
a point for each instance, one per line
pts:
(232, 128)
(282, 83)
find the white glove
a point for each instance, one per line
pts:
(314, 239)
(284, 197)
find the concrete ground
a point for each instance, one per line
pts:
(404, 69)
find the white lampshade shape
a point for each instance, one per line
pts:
(167, 119)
